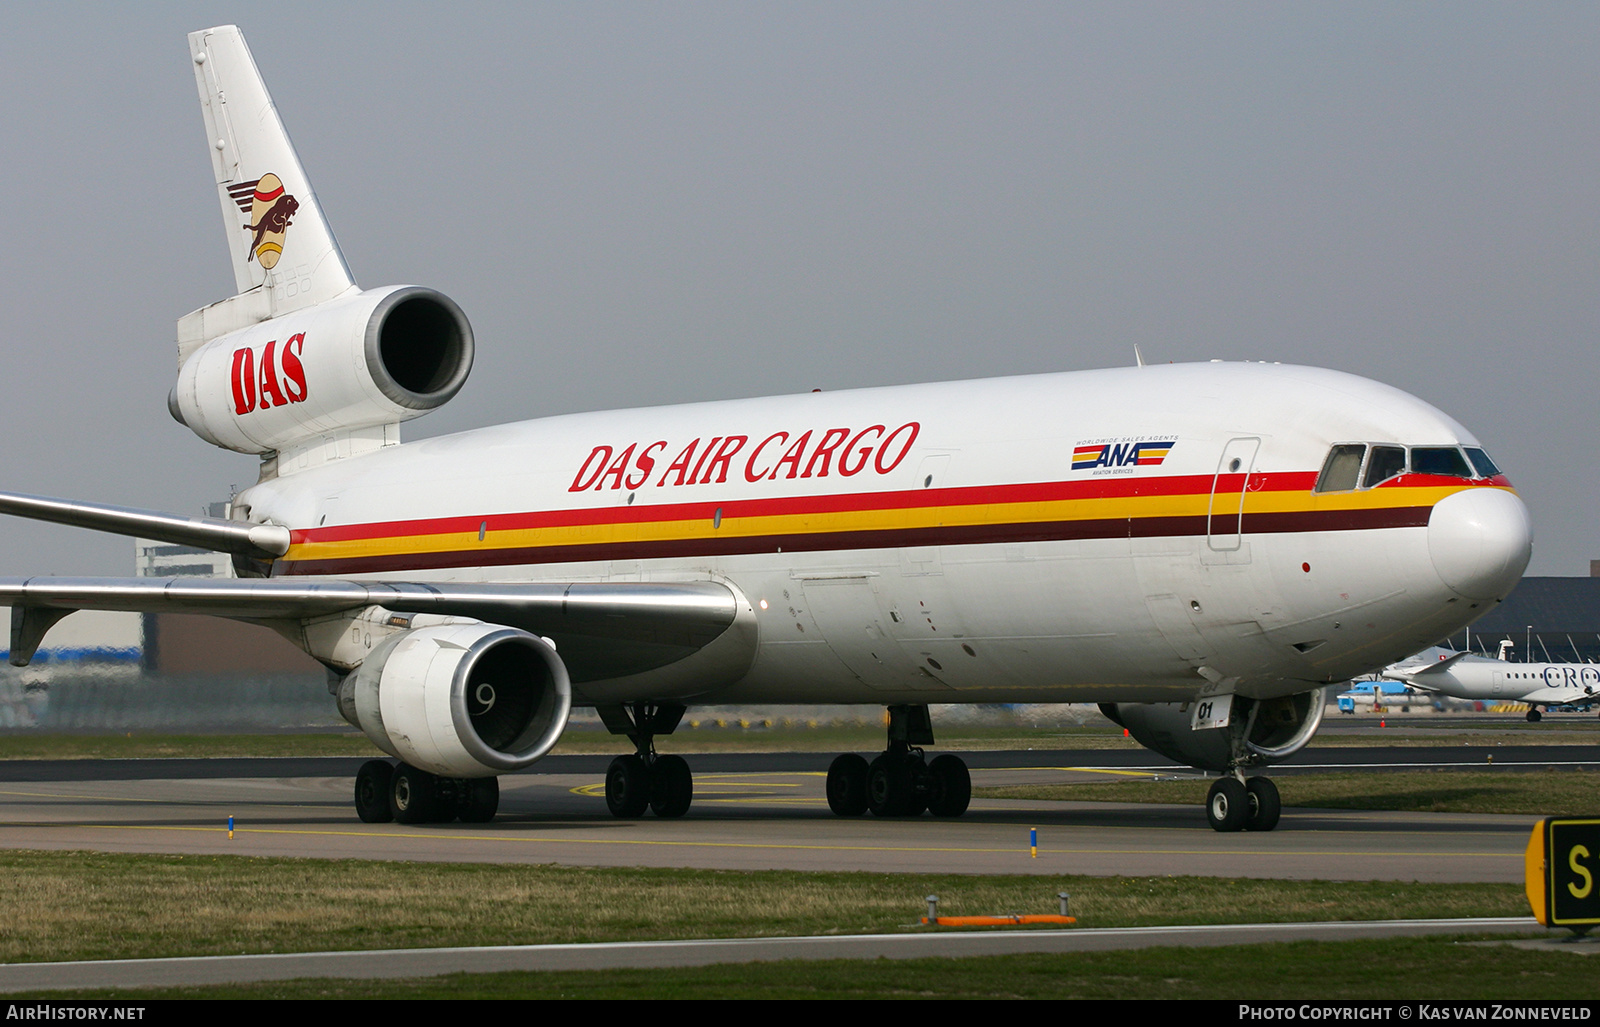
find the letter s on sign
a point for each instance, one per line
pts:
(1581, 870)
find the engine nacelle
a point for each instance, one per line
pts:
(461, 700)
(360, 361)
(1260, 731)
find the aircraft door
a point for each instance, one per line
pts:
(1223, 521)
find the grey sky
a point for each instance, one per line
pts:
(646, 203)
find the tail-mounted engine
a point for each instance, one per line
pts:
(1260, 731)
(460, 700)
(361, 361)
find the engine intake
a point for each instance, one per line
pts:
(1260, 731)
(360, 361)
(418, 348)
(461, 700)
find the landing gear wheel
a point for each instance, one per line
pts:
(889, 785)
(1266, 807)
(628, 787)
(916, 796)
(372, 792)
(1227, 805)
(847, 785)
(482, 800)
(1534, 716)
(673, 786)
(950, 788)
(413, 795)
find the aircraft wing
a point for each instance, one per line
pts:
(258, 541)
(601, 629)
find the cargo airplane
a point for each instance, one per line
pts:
(1198, 548)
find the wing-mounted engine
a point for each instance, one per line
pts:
(460, 700)
(349, 368)
(1259, 732)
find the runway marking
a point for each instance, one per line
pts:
(1012, 850)
(1093, 770)
(1484, 765)
(1452, 765)
(220, 803)
(598, 788)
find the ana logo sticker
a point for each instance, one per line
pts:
(1119, 453)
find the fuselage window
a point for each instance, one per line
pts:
(1446, 461)
(1342, 469)
(1384, 463)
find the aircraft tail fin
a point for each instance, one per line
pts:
(1421, 675)
(284, 254)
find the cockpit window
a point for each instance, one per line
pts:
(1384, 463)
(1446, 461)
(1344, 466)
(1342, 469)
(1481, 462)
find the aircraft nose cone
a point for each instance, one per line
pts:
(1480, 541)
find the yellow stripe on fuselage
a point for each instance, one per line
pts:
(624, 531)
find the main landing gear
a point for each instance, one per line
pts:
(1534, 716)
(386, 791)
(1237, 803)
(900, 782)
(645, 780)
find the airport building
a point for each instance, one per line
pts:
(1553, 620)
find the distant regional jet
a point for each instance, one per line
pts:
(1465, 676)
(1199, 548)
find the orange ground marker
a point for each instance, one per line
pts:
(1002, 921)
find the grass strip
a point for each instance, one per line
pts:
(1407, 968)
(1557, 792)
(81, 905)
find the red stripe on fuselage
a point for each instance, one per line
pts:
(978, 495)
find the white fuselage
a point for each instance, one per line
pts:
(1116, 535)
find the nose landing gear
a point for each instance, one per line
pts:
(1236, 803)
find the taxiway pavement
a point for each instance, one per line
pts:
(757, 811)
